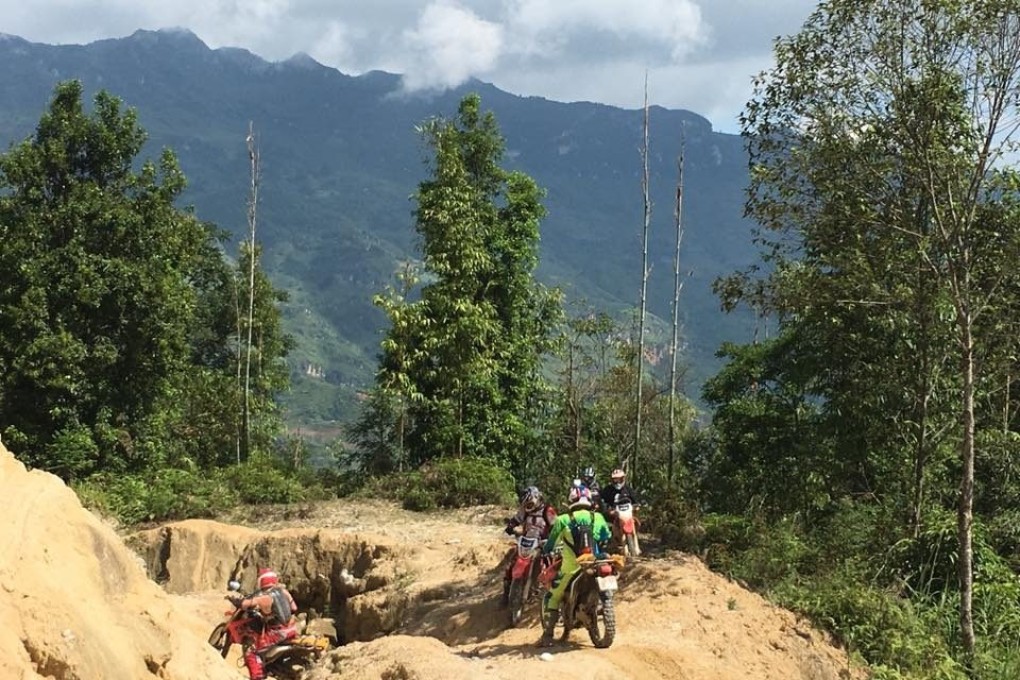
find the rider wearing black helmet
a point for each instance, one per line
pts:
(588, 479)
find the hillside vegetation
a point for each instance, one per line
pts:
(341, 158)
(860, 465)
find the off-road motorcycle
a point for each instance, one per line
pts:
(625, 529)
(523, 574)
(285, 661)
(588, 599)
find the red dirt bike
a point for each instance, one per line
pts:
(523, 574)
(588, 599)
(285, 661)
(625, 529)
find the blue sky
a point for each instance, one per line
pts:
(699, 54)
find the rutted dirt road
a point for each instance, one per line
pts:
(414, 596)
(436, 586)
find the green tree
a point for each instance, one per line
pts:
(466, 356)
(878, 144)
(115, 305)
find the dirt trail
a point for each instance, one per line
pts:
(675, 618)
(414, 595)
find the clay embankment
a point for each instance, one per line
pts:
(76, 604)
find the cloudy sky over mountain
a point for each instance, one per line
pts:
(699, 54)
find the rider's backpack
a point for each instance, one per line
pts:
(583, 535)
(281, 605)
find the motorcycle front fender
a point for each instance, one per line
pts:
(520, 568)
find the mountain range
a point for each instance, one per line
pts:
(340, 161)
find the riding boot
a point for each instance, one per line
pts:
(253, 661)
(549, 628)
(504, 601)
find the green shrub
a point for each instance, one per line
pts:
(676, 522)
(445, 483)
(258, 481)
(176, 493)
(169, 494)
(418, 498)
(885, 629)
(184, 494)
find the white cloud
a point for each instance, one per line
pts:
(544, 27)
(700, 54)
(449, 45)
(333, 45)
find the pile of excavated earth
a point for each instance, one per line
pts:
(409, 596)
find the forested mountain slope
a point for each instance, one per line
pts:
(341, 159)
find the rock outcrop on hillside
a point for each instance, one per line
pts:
(75, 602)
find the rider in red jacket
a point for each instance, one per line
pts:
(274, 602)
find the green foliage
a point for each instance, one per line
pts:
(182, 493)
(446, 483)
(260, 480)
(460, 365)
(888, 631)
(119, 331)
(890, 237)
(165, 495)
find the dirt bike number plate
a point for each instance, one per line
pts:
(606, 583)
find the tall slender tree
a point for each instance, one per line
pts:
(677, 285)
(647, 215)
(470, 348)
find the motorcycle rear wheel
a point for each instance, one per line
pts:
(603, 637)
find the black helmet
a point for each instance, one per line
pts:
(588, 473)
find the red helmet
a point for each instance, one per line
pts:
(579, 497)
(267, 579)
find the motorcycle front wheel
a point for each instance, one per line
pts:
(632, 545)
(220, 640)
(518, 596)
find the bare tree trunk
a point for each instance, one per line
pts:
(644, 290)
(573, 407)
(923, 395)
(965, 512)
(677, 285)
(253, 156)
(239, 353)
(401, 425)
(1005, 407)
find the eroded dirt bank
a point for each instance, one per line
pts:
(415, 596)
(75, 602)
(430, 584)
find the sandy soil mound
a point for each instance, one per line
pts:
(75, 603)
